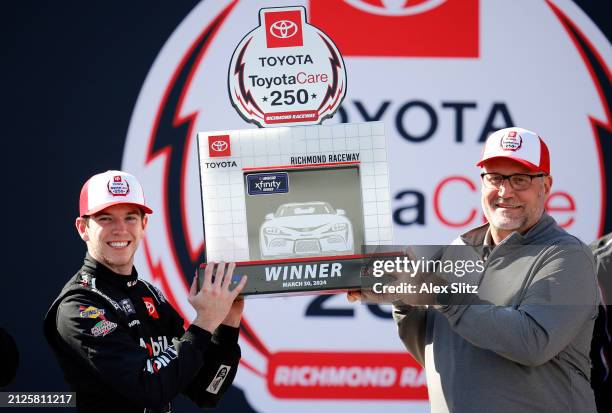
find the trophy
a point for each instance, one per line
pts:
(292, 202)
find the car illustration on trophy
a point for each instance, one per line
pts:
(306, 229)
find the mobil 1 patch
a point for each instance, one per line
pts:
(268, 183)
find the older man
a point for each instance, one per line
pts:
(121, 345)
(522, 343)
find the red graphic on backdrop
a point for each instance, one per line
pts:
(295, 116)
(345, 375)
(448, 30)
(283, 29)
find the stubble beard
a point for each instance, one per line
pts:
(519, 223)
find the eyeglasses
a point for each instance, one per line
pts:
(518, 182)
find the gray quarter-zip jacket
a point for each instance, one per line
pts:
(522, 344)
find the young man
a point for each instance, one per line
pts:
(121, 345)
(522, 343)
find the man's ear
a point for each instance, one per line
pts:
(548, 181)
(81, 226)
(145, 221)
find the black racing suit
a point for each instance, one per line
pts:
(123, 347)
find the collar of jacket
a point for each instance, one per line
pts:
(476, 236)
(105, 275)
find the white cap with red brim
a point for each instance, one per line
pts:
(111, 188)
(520, 145)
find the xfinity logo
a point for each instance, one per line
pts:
(283, 29)
(268, 183)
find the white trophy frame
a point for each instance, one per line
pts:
(319, 257)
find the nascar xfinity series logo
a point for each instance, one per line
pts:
(439, 98)
(268, 183)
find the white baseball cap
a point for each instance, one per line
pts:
(520, 145)
(111, 188)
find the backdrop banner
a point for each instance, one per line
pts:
(441, 76)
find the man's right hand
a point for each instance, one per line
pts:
(214, 300)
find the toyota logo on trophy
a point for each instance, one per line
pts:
(219, 146)
(292, 202)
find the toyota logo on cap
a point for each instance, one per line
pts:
(283, 29)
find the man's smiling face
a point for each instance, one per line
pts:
(507, 209)
(113, 235)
